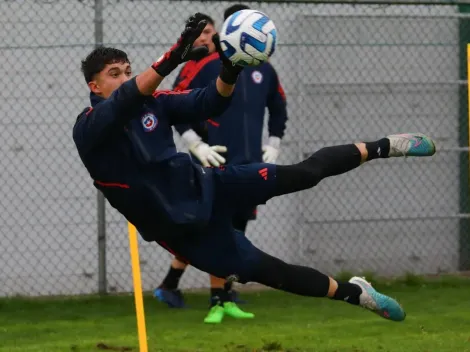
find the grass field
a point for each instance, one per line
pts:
(438, 321)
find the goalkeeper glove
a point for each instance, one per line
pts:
(207, 155)
(271, 150)
(183, 50)
(229, 71)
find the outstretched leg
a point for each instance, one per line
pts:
(336, 160)
(231, 255)
(253, 184)
(306, 281)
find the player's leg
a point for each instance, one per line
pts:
(168, 291)
(224, 299)
(231, 255)
(336, 160)
(257, 183)
(217, 300)
(221, 303)
(307, 281)
(240, 223)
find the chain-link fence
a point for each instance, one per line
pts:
(350, 72)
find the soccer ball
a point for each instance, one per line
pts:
(248, 38)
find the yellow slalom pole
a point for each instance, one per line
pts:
(139, 302)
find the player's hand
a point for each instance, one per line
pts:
(183, 50)
(230, 71)
(271, 150)
(208, 155)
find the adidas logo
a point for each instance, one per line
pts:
(264, 173)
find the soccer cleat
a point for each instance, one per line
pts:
(232, 310)
(173, 298)
(215, 315)
(411, 144)
(377, 302)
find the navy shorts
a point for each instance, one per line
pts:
(244, 187)
(218, 249)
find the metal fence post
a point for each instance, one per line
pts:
(101, 203)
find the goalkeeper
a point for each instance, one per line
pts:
(237, 134)
(125, 141)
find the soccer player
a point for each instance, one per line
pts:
(125, 141)
(240, 130)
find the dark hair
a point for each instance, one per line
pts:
(198, 17)
(99, 58)
(234, 8)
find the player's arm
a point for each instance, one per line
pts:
(199, 104)
(198, 75)
(195, 75)
(190, 106)
(203, 103)
(94, 126)
(97, 124)
(277, 108)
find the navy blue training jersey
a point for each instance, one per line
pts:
(126, 143)
(240, 127)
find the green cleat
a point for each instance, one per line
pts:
(232, 310)
(215, 315)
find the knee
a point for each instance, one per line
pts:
(311, 172)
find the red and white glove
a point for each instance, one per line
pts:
(207, 155)
(271, 150)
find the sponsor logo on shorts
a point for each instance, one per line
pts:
(264, 173)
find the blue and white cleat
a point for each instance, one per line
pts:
(411, 144)
(173, 298)
(377, 302)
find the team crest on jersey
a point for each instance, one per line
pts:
(257, 77)
(149, 122)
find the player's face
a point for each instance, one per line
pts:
(110, 78)
(206, 38)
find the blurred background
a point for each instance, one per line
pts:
(351, 71)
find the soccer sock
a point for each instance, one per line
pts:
(219, 296)
(302, 280)
(348, 292)
(228, 286)
(172, 279)
(291, 278)
(218, 292)
(326, 162)
(378, 149)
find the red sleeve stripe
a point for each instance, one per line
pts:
(157, 93)
(281, 92)
(192, 69)
(213, 123)
(111, 184)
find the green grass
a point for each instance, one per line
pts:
(438, 321)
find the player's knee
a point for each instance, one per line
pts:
(310, 172)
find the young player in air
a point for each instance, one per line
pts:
(237, 133)
(125, 141)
